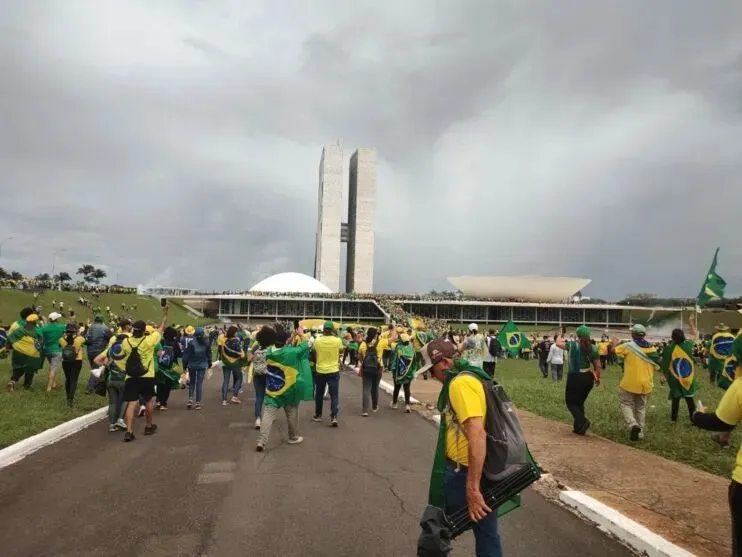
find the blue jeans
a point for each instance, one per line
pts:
(229, 372)
(486, 535)
(239, 379)
(196, 383)
(259, 382)
(332, 382)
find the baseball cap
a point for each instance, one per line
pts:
(53, 316)
(638, 329)
(139, 326)
(329, 325)
(583, 331)
(98, 317)
(434, 352)
(199, 331)
(32, 318)
(473, 327)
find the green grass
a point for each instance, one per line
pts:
(26, 413)
(148, 308)
(680, 442)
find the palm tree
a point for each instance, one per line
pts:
(98, 274)
(43, 277)
(63, 277)
(85, 270)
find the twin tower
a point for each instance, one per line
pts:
(358, 232)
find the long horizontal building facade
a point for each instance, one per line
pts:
(256, 307)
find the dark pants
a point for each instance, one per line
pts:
(92, 380)
(735, 506)
(486, 534)
(27, 373)
(544, 367)
(370, 396)
(163, 393)
(332, 382)
(675, 407)
(407, 394)
(556, 371)
(489, 368)
(603, 361)
(259, 383)
(386, 358)
(578, 388)
(71, 377)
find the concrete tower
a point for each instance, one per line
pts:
(327, 248)
(359, 276)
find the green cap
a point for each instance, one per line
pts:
(98, 317)
(583, 331)
(329, 325)
(638, 329)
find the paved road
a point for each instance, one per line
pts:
(197, 488)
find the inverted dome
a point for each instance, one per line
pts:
(291, 282)
(535, 289)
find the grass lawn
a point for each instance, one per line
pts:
(26, 413)
(681, 441)
(148, 308)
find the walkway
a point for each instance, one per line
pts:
(197, 488)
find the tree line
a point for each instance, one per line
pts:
(88, 273)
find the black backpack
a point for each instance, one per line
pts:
(69, 352)
(371, 361)
(494, 348)
(134, 365)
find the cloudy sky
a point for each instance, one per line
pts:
(178, 142)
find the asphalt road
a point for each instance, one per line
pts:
(198, 488)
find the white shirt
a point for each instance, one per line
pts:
(556, 355)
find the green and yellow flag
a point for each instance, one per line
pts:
(511, 339)
(288, 376)
(713, 286)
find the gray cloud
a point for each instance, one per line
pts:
(181, 142)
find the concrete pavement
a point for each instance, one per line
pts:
(197, 488)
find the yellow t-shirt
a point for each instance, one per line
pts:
(383, 345)
(466, 394)
(26, 344)
(220, 340)
(363, 348)
(729, 411)
(638, 375)
(327, 349)
(603, 348)
(146, 347)
(78, 343)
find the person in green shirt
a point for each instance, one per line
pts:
(582, 375)
(51, 333)
(25, 342)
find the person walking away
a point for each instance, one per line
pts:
(139, 365)
(96, 341)
(542, 349)
(26, 356)
(402, 370)
(678, 368)
(51, 333)
(489, 361)
(348, 338)
(640, 362)
(583, 373)
(728, 414)
(233, 358)
(603, 349)
(719, 349)
(555, 359)
(289, 381)
(472, 348)
(115, 377)
(463, 408)
(259, 376)
(370, 358)
(327, 350)
(167, 378)
(196, 360)
(71, 356)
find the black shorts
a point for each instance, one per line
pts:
(136, 387)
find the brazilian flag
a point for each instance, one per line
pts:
(677, 363)
(713, 285)
(729, 373)
(721, 345)
(511, 339)
(288, 375)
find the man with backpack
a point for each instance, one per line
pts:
(463, 405)
(138, 362)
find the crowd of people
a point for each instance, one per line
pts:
(136, 365)
(32, 284)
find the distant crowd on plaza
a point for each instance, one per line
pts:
(80, 286)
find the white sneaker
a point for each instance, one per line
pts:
(375, 409)
(296, 441)
(365, 414)
(112, 428)
(407, 408)
(225, 403)
(121, 424)
(257, 423)
(142, 410)
(394, 405)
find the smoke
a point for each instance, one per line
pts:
(162, 279)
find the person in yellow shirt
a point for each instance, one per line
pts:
(603, 352)
(72, 357)
(370, 365)
(466, 442)
(641, 361)
(728, 414)
(327, 350)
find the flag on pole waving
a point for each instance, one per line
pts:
(713, 285)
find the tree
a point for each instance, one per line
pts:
(98, 274)
(90, 274)
(62, 277)
(3, 273)
(44, 277)
(85, 270)
(15, 275)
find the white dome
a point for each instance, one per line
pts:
(291, 282)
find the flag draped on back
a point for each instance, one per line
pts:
(677, 362)
(713, 285)
(511, 339)
(288, 375)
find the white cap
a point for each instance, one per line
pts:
(53, 316)
(473, 327)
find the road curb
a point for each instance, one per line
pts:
(21, 449)
(637, 537)
(388, 388)
(630, 533)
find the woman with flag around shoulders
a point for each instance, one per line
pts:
(678, 369)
